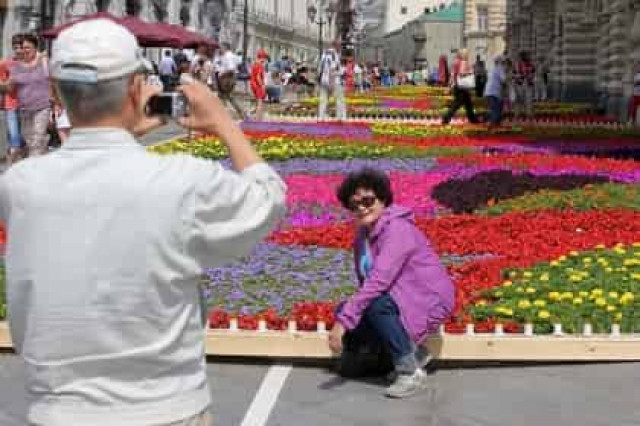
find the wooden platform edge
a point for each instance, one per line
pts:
(450, 347)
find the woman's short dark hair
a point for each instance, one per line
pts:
(367, 178)
(30, 38)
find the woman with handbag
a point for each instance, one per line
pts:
(462, 82)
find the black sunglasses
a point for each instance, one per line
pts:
(365, 202)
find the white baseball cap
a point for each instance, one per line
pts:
(96, 50)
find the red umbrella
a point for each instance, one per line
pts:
(148, 35)
(189, 39)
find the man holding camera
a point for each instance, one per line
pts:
(107, 243)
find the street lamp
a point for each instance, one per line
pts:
(324, 15)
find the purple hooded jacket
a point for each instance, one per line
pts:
(405, 265)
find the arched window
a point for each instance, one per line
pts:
(102, 5)
(132, 7)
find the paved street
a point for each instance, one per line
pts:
(581, 395)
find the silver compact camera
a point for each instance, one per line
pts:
(168, 104)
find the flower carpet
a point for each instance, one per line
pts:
(537, 226)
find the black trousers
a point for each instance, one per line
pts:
(461, 97)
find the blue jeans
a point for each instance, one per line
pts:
(381, 326)
(13, 128)
(495, 110)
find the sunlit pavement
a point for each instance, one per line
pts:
(243, 394)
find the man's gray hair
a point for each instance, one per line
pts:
(91, 102)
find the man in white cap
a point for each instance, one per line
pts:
(107, 243)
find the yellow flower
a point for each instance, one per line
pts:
(608, 269)
(627, 298)
(577, 301)
(519, 290)
(611, 308)
(575, 278)
(524, 304)
(481, 303)
(504, 311)
(617, 317)
(573, 253)
(566, 295)
(587, 260)
(507, 284)
(583, 293)
(544, 314)
(544, 277)
(554, 263)
(601, 301)
(554, 295)
(635, 277)
(498, 293)
(540, 303)
(613, 295)
(530, 290)
(527, 274)
(513, 274)
(597, 292)
(562, 258)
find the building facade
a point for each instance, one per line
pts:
(589, 46)
(421, 42)
(485, 28)
(401, 12)
(282, 27)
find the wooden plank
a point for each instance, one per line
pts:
(478, 347)
(535, 348)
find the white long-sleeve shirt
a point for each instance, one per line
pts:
(106, 243)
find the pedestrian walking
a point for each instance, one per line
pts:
(105, 315)
(168, 71)
(257, 83)
(10, 103)
(480, 74)
(330, 81)
(30, 79)
(524, 82)
(462, 82)
(494, 91)
(225, 72)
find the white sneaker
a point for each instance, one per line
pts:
(423, 359)
(407, 385)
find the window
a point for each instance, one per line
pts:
(483, 18)
(403, 10)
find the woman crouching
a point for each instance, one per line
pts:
(404, 291)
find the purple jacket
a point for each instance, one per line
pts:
(406, 266)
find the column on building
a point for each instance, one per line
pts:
(577, 63)
(618, 53)
(543, 23)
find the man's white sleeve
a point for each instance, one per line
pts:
(233, 211)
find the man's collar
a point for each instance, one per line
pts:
(100, 138)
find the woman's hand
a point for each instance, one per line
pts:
(335, 338)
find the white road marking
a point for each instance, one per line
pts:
(267, 395)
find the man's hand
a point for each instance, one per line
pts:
(335, 338)
(146, 123)
(207, 113)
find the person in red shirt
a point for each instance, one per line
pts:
(256, 81)
(10, 104)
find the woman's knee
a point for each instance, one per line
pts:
(381, 305)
